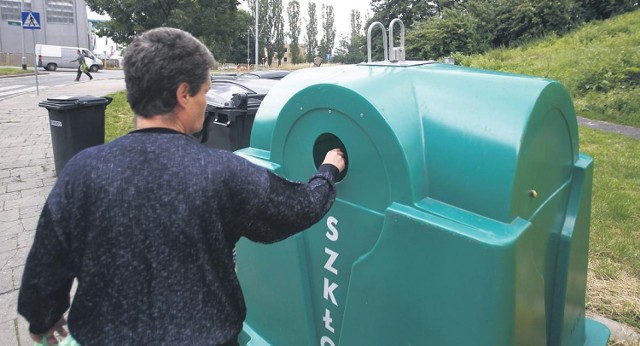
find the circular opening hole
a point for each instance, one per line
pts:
(323, 144)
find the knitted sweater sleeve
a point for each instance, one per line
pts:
(44, 294)
(289, 207)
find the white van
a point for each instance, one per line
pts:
(53, 57)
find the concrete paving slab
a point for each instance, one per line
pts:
(27, 174)
(8, 333)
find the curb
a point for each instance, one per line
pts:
(610, 127)
(619, 332)
(23, 74)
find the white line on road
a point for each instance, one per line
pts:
(11, 87)
(21, 91)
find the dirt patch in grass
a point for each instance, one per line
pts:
(616, 298)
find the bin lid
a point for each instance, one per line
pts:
(73, 102)
(221, 93)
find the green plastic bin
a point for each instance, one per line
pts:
(463, 218)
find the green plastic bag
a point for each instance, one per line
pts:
(85, 68)
(68, 341)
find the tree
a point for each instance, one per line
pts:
(353, 50)
(329, 37)
(131, 17)
(312, 32)
(356, 23)
(410, 11)
(603, 9)
(455, 31)
(269, 22)
(519, 21)
(293, 10)
(275, 25)
(278, 44)
(243, 43)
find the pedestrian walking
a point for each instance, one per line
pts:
(147, 223)
(82, 66)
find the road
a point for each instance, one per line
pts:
(13, 86)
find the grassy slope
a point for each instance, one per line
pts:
(599, 63)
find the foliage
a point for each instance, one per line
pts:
(275, 47)
(242, 43)
(439, 28)
(293, 11)
(278, 44)
(312, 32)
(454, 31)
(329, 30)
(410, 11)
(602, 9)
(523, 20)
(352, 49)
(131, 17)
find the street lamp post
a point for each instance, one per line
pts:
(24, 58)
(257, 32)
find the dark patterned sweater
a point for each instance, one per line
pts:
(147, 224)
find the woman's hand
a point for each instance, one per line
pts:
(335, 157)
(51, 338)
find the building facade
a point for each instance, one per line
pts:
(286, 58)
(62, 22)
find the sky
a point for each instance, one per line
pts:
(341, 10)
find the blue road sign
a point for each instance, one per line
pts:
(31, 20)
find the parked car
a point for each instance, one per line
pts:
(268, 74)
(218, 76)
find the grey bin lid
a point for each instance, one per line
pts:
(222, 90)
(73, 102)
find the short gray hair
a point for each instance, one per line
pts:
(157, 62)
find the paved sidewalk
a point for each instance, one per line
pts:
(27, 173)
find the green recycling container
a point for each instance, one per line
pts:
(462, 218)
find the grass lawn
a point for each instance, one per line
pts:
(4, 71)
(614, 253)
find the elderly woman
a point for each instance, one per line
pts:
(147, 223)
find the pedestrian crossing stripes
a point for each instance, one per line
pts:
(17, 89)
